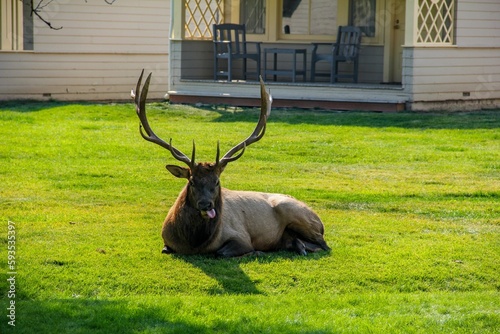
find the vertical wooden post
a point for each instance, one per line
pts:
(411, 22)
(177, 19)
(11, 25)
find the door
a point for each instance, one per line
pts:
(397, 40)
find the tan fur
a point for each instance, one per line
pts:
(255, 221)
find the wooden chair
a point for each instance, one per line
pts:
(345, 49)
(230, 44)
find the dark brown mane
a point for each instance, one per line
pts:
(190, 227)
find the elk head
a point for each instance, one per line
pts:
(203, 188)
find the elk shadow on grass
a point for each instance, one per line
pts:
(126, 317)
(231, 277)
(98, 316)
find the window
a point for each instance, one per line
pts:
(362, 14)
(253, 15)
(309, 17)
(435, 19)
(28, 41)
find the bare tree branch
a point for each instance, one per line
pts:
(40, 6)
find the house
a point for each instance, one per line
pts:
(415, 54)
(97, 55)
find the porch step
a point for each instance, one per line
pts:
(288, 103)
(365, 97)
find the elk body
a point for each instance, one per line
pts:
(207, 218)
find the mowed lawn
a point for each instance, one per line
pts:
(410, 203)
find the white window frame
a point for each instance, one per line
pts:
(439, 27)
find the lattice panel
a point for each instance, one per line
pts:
(435, 20)
(200, 16)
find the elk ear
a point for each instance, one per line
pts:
(180, 172)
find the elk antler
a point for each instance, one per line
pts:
(140, 106)
(265, 110)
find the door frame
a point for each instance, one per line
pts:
(391, 47)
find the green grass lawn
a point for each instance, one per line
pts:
(410, 204)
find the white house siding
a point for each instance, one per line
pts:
(462, 76)
(478, 23)
(97, 55)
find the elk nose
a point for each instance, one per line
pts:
(204, 205)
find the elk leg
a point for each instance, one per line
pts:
(301, 223)
(310, 231)
(299, 246)
(234, 248)
(290, 242)
(298, 242)
(302, 247)
(312, 247)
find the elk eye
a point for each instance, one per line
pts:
(217, 183)
(191, 183)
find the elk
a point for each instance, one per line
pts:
(209, 219)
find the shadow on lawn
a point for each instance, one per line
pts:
(132, 316)
(411, 120)
(29, 106)
(95, 316)
(232, 279)
(408, 120)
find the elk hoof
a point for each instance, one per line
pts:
(166, 250)
(299, 246)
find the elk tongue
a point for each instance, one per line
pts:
(211, 213)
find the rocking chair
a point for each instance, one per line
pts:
(345, 49)
(230, 44)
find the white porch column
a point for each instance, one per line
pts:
(177, 19)
(411, 22)
(11, 25)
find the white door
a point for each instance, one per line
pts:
(397, 40)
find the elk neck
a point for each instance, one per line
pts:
(193, 224)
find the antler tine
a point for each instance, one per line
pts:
(144, 128)
(259, 131)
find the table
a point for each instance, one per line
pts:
(293, 72)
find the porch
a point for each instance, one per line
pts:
(192, 82)
(339, 96)
(381, 82)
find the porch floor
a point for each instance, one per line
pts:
(307, 95)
